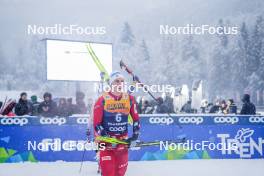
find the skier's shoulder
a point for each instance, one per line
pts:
(100, 99)
(131, 97)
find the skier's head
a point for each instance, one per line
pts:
(116, 81)
(115, 76)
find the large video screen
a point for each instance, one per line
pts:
(77, 61)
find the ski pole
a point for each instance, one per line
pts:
(130, 72)
(88, 133)
(83, 157)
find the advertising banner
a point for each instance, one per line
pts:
(64, 138)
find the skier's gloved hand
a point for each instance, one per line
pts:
(136, 127)
(132, 141)
(101, 131)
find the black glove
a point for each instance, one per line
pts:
(100, 130)
(132, 140)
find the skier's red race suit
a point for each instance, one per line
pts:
(111, 118)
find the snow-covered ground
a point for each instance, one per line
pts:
(142, 168)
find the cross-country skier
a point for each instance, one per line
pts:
(111, 119)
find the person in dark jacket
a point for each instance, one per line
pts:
(23, 107)
(223, 107)
(215, 108)
(231, 107)
(187, 108)
(168, 102)
(70, 106)
(48, 108)
(63, 108)
(248, 108)
(147, 108)
(80, 104)
(161, 108)
(35, 105)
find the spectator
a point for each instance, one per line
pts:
(80, 105)
(63, 108)
(168, 102)
(231, 107)
(35, 105)
(204, 106)
(161, 108)
(48, 108)
(215, 108)
(146, 108)
(187, 107)
(23, 107)
(248, 108)
(223, 107)
(70, 106)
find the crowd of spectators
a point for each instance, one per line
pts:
(165, 105)
(63, 107)
(49, 107)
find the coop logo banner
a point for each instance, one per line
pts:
(247, 145)
(52, 121)
(256, 119)
(14, 121)
(191, 120)
(224, 119)
(82, 120)
(161, 120)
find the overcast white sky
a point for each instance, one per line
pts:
(144, 16)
